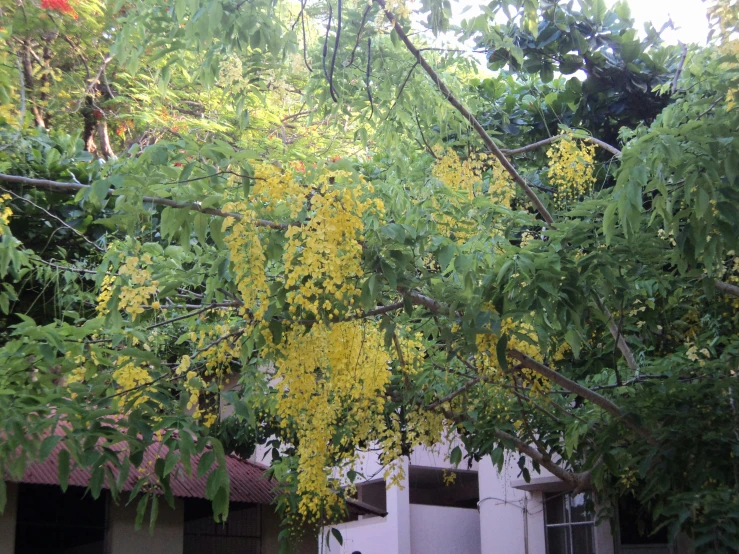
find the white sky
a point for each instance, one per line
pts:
(689, 16)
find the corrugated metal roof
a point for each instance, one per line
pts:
(247, 480)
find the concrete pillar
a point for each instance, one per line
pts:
(399, 499)
(167, 538)
(8, 520)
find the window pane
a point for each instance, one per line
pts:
(581, 508)
(555, 508)
(558, 539)
(582, 539)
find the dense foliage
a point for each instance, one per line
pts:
(359, 241)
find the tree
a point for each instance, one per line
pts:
(376, 255)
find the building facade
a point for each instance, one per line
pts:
(40, 519)
(484, 511)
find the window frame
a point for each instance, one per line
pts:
(568, 523)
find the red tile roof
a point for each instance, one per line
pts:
(248, 483)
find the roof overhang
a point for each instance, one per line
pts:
(548, 483)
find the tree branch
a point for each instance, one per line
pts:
(586, 393)
(540, 208)
(54, 217)
(619, 338)
(727, 288)
(578, 480)
(70, 188)
(536, 145)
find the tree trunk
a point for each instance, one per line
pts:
(88, 134)
(105, 148)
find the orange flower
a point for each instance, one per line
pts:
(62, 6)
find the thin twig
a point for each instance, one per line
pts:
(305, 42)
(359, 35)
(369, 90)
(56, 218)
(325, 41)
(336, 50)
(402, 86)
(423, 138)
(673, 90)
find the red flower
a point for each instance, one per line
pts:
(62, 6)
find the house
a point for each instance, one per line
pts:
(40, 518)
(484, 511)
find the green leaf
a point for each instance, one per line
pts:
(187, 449)
(100, 190)
(63, 460)
(97, 480)
(154, 513)
(456, 456)
(337, 535)
(47, 446)
(220, 504)
(206, 462)
(573, 339)
(141, 511)
(609, 221)
(501, 351)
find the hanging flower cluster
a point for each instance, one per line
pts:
(330, 382)
(137, 292)
(323, 257)
(5, 211)
(571, 169)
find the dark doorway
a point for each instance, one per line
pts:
(436, 487)
(65, 523)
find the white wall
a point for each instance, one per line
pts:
(8, 519)
(168, 532)
(502, 522)
(376, 535)
(442, 530)
(512, 520)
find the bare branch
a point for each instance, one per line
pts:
(70, 188)
(576, 388)
(727, 288)
(350, 61)
(536, 145)
(680, 65)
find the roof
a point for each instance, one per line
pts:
(247, 480)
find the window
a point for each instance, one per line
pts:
(570, 523)
(240, 534)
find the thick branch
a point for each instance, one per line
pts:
(577, 480)
(536, 145)
(619, 338)
(576, 388)
(452, 395)
(70, 188)
(727, 288)
(468, 116)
